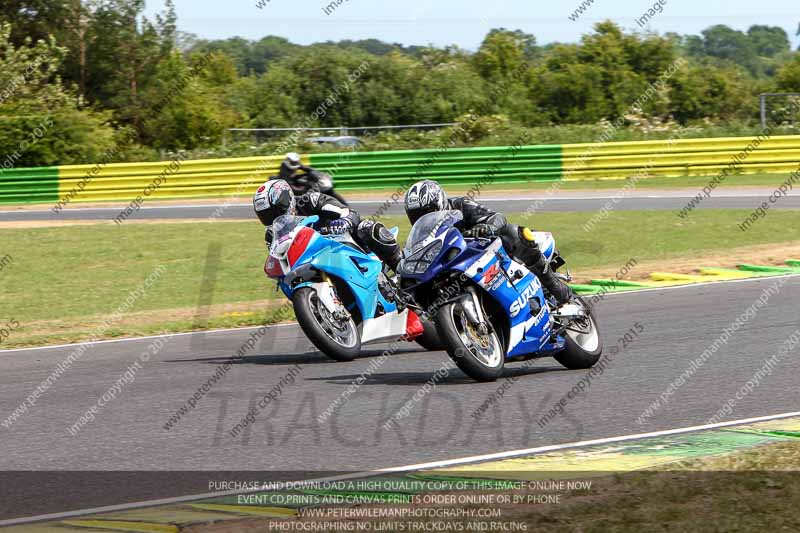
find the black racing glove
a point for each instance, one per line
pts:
(480, 231)
(338, 227)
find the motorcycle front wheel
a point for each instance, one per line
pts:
(336, 337)
(479, 355)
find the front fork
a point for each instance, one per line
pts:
(326, 292)
(473, 310)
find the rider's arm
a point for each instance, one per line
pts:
(478, 214)
(331, 212)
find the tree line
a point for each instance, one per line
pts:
(106, 79)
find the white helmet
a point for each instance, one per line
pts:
(293, 161)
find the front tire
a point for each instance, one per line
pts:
(338, 339)
(480, 356)
(584, 344)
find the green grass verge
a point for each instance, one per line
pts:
(67, 275)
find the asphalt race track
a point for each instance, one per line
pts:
(562, 201)
(128, 434)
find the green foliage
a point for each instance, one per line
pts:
(788, 76)
(106, 63)
(184, 113)
(41, 122)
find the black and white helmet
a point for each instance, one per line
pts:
(272, 200)
(293, 161)
(424, 197)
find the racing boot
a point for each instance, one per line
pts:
(377, 238)
(528, 251)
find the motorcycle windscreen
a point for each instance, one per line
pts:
(282, 230)
(428, 227)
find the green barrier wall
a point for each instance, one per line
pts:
(29, 185)
(398, 168)
(362, 170)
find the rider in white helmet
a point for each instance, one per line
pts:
(293, 167)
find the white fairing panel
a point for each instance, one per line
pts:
(390, 326)
(546, 243)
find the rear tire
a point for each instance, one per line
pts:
(582, 350)
(322, 331)
(461, 339)
(430, 337)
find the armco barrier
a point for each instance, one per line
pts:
(397, 168)
(126, 181)
(453, 166)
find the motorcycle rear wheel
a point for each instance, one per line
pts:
(338, 339)
(430, 339)
(584, 343)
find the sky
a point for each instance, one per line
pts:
(463, 22)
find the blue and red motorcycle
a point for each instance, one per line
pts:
(341, 295)
(489, 308)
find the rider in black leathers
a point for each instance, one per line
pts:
(276, 198)
(479, 221)
(302, 178)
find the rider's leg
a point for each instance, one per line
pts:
(520, 244)
(380, 240)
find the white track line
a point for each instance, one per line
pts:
(248, 328)
(410, 468)
(136, 339)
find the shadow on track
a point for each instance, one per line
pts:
(304, 358)
(456, 377)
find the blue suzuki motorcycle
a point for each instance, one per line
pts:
(340, 293)
(490, 309)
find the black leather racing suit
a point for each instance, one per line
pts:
(333, 214)
(303, 181)
(483, 221)
(298, 179)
